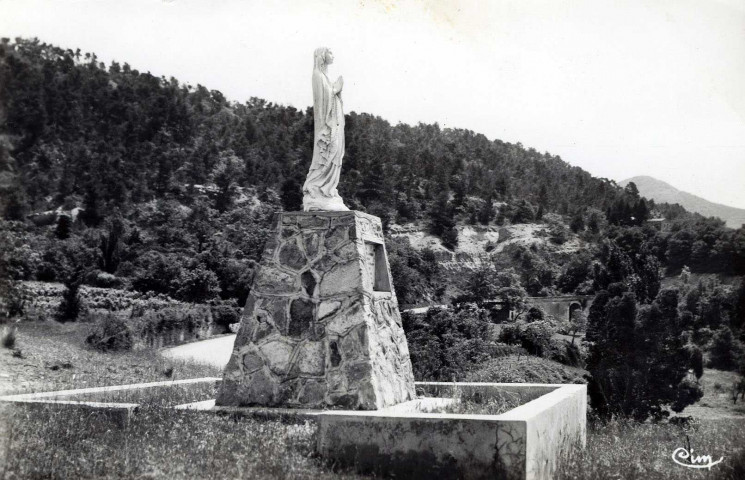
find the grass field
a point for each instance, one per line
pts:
(627, 450)
(42, 442)
(54, 356)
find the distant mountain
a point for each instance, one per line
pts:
(662, 192)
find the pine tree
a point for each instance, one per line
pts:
(91, 215)
(64, 226)
(291, 195)
(724, 350)
(71, 305)
(486, 212)
(109, 245)
(17, 206)
(442, 221)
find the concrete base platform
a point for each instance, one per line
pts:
(406, 440)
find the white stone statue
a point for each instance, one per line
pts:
(319, 190)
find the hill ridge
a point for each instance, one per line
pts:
(662, 192)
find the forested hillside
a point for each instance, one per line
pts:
(176, 185)
(77, 127)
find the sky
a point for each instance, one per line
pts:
(618, 88)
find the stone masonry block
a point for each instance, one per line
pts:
(316, 332)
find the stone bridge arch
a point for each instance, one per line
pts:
(562, 306)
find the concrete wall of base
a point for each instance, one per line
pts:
(524, 443)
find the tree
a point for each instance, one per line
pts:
(64, 225)
(577, 271)
(445, 344)
(442, 221)
(71, 305)
(577, 323)
(197, 285)
(578, 222)
(224, 176)
(90, 213)
(679, 247)
(291, 195)
(524, 212)
(738, 320)
(486, 212)
(724, 351)
(637, 360)
(16, 206)
(632, 190)
(109, 246)
(488, 285)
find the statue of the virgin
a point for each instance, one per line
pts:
(319, 190)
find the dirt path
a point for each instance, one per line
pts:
(215, 351)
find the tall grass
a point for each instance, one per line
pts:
(630, 450)
(159, 443)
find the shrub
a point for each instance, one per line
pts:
(157, 273)
(9, 338)
(224, 314)
(568, 354)
(12, 300)
(504, 350)
(558, 234)
(197, 285)
(702, 336)
(523, 369)
(97, 278)
(70, 307)
(182, 317)
(110, 333)
(535, 337)
(445, 344)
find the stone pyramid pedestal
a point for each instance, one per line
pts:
(321, 326)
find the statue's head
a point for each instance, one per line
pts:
(322, 56)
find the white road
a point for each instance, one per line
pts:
(214, 351)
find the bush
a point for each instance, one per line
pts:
(101, 279)
(535, 337)
(157, 273)
(225, 314)
(12, 300)
(197, 285)
(445, 344)
(109, 333)
(524, 369)
(184, 317)
(504, 350)
(566, 353)
(702, 336)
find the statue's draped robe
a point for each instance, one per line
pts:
(319, 190)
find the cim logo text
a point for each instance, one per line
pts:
(686, 458)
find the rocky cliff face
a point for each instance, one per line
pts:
(479, 243)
